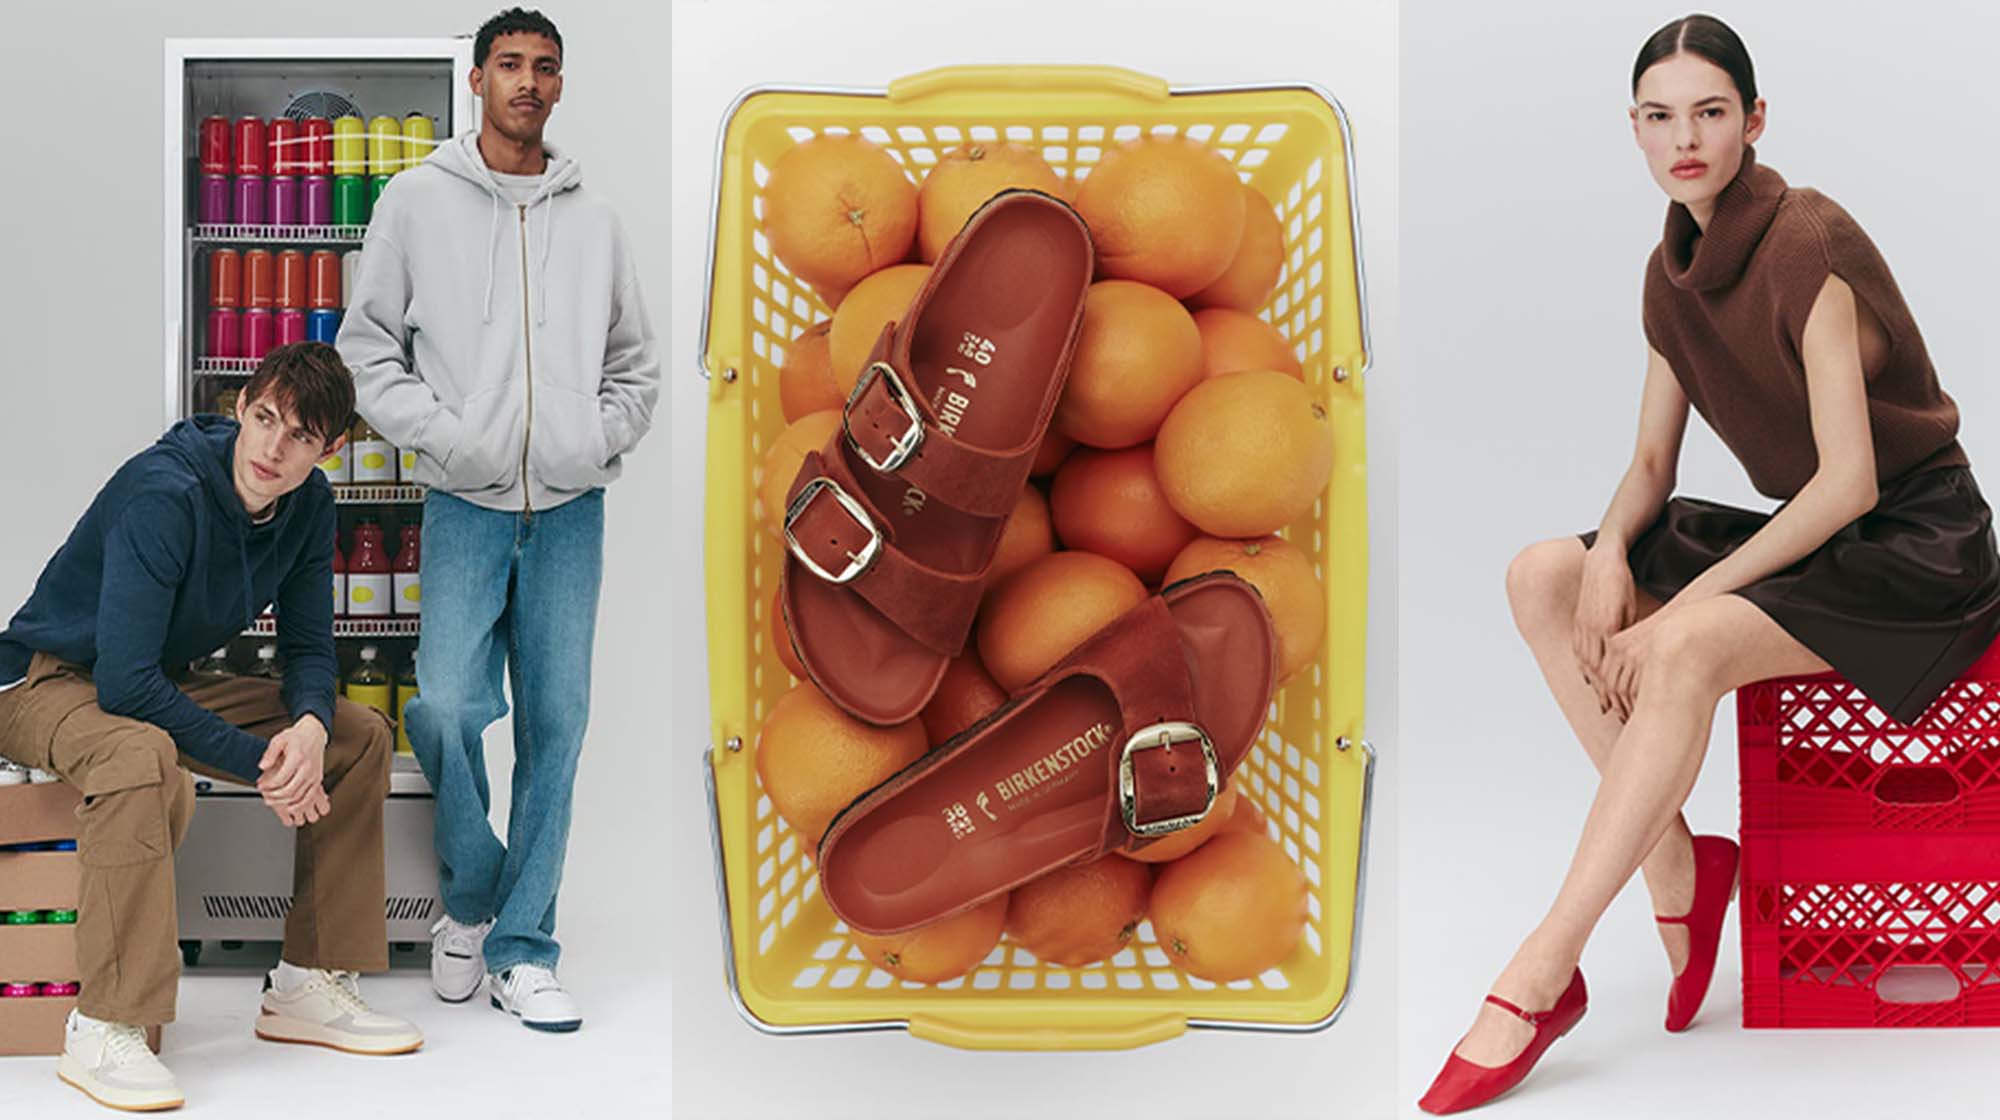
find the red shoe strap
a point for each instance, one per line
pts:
(1684, 919)
(1532, 1018)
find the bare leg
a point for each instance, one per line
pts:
(1697, 657)
(1543, 584)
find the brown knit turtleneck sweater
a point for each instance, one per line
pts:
(1728, 307)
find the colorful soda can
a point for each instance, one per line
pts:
(225, 333)
(350, 266)
(65, 846)
(225, 278)
(24, 917)
(20, 991)
(316, 201)
(60, 988)
(325, 268)
(323, 324)
(212, 203)
(291, 325)
(350, 200)
(350, 146)
(291, 278)
(376, 185)
(282, 137)
(212, 143)
(260, 330)
(62, 917)
(385, 146)
(338, 468)
(250, 150)
(317, 135)
(283, 208)
(249, 206)
(259, 279)
(419, 137)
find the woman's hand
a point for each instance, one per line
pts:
(1624, 660)
(1606, 604)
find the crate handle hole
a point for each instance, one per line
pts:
(1918, 983)
(1917, 785)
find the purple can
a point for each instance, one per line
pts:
(291, 325)
(60, 988)
(250, 192)
(20, 991)
(323, 325)
(284, 207)
(317, 201)
(258, 331)
(225, 333)
(213, 207)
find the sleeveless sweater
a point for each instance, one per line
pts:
(1727, 308)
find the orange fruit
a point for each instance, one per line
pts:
(814, 759)
(1047, 609)
(1283, 574)
(964, 696)
(1082, 913)
(781, 637)
(1163, 210)
(874, 303)
(1055, 448)
(1174, 845)
(805, 381)
(941, 950)
(1247, 816)
(1231, 908)
(965, 178)
(1026, 537)
(1109, 502)
(1245, 454)
(1253, 271)
(1138, 353)
(783, 459)
(837, 208)
(1234, 340)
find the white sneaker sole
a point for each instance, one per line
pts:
(549, 1026)
(73, 1074)
(280, 1028)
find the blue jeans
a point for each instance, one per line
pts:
(501, 588)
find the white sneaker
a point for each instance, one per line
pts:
(327, 1010)
(112, 1064)
(458, 958)
(41, 777)
(12, 774)
(533, 995)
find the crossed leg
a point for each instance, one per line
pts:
(1697, 656)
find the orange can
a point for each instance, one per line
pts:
(258, 282)
(292, 279)
(325, 280)
(225, 278)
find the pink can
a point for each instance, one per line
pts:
(284, 196)
(259, 331)
(61, 988)
(250, 192)
(316, 201)
(213, 207)
(291, 325)
(20, 991)
(225, 333)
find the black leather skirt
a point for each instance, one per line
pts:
(1900, 602)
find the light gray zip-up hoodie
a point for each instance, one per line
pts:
(506, 344)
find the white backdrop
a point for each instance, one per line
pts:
(723, 1067)
(79, 310)
(1529, 215)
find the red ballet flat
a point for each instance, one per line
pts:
(1461, 1085)
(1715, 860)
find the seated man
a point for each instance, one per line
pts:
(182, 549)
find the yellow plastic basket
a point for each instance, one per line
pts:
(791, 966)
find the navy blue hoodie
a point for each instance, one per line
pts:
(165, 566)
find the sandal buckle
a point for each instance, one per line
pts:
(901, 446)
(1155, 737)
(857, 562)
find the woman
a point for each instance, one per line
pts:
(1770, 312)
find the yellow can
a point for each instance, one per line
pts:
(406, 691)
(385, 146)
(350, 146)
(419, 137)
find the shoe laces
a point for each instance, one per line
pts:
(126, 1045)
(342, 988)
(532, 979)
(455, 936)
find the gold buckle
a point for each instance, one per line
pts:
(856, 562)
(902, 446)
(1153, 737)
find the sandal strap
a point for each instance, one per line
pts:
(1682, 920)
(1532, 1018)
(838, 536)
(889, 427)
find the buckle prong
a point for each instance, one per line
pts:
(857, 562)
(1155, 737)
(903, 445)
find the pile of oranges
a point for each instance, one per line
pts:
(1186, 439)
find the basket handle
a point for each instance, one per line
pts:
(1122, 1034)
(1034, 79)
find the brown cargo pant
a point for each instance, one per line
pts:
(138, 800)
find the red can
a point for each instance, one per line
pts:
(225, 333)
(250, 151)
(225, 280)
(325, 279)
(318, 134)
(291, 325)
(258, 282)
(283, 138)
(259, 329)
(292, 281)
(214, 146)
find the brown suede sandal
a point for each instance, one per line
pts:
(891, 527)
(1128, 739)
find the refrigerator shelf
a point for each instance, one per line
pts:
(377, 493)
(269, 234)
(403, 626)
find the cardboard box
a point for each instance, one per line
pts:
(38, 881)
(31, 814)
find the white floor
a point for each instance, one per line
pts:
(475, 1060)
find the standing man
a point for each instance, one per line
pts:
(496, 327)
(182, 549)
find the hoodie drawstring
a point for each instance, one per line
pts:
(542, 272)
(492, 250)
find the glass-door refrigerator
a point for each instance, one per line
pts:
(276, 150)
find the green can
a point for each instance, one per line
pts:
(24, 917)
(350, 200)
(62, 917)
(376, 185)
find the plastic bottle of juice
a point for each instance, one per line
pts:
(409, 559)
(406, 691)
(369, 584)
(374, 460)
(267, 664)
(368, 684)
